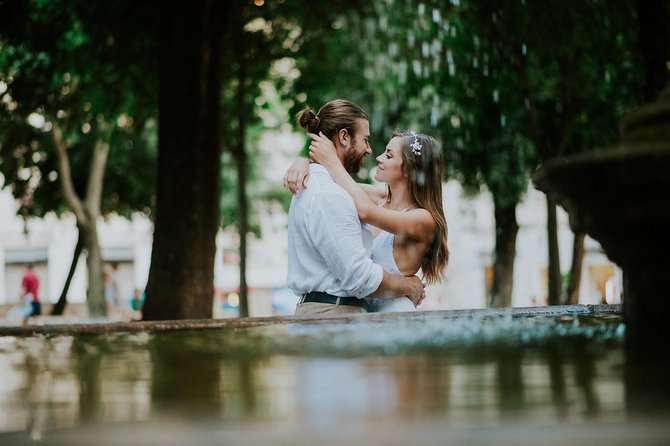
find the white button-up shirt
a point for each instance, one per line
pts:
(328, 247)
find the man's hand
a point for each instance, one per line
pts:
(416, 290)
(398, 286)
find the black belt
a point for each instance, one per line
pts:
(318, 296)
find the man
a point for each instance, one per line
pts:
(30, 285)
(329, 263)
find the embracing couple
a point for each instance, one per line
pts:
(356, 248)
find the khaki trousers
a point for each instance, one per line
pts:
(326, 309)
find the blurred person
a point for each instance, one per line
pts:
(112, 293)
(135, 304)
(30, 285)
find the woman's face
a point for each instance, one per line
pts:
(389, 163)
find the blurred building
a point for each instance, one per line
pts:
(472, 242)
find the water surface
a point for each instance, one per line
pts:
(454, 377)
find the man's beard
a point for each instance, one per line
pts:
(353, 161)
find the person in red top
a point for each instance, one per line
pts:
(31, 285)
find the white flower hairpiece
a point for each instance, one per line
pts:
(416, 145)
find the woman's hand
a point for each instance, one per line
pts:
(322, 150)
(296, 175)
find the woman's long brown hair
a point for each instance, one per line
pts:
(424, 172)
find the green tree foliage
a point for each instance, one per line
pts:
(79, 64)
(79, 81)
(561, 75)
(333, 58)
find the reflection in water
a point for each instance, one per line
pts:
(585, 378)
(421, 383)
(647, 384)
(321, 375)
(510, 382)
(182, 381)
(555, 360)
(87, 357)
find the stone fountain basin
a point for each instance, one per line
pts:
(619, 196)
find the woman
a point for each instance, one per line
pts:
(409, 226)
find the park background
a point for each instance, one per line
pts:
(503, 86)
(48, 244)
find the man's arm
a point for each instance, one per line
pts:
(396, 286)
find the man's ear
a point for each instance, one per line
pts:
(343, 137)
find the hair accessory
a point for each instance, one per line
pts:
(416, 145)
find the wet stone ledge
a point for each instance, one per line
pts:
(54, 327)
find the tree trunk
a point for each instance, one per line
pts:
(59, 307)
(181, 277)
(87, 211)
(505, 252)
(243, 210)
(654, 45)
(97, 306)
(95, 297)
(553, 268)
(576, 268)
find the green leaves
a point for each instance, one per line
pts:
(83, 65)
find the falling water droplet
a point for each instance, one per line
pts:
(416, 66)
(402, 73)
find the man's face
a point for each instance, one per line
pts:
(359, 146)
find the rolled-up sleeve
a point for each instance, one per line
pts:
(334, 227)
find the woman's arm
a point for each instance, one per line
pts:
(295, 179)
(376, 193)
(417, 224)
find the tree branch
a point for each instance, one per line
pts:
(96, 174)
(67, 186)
